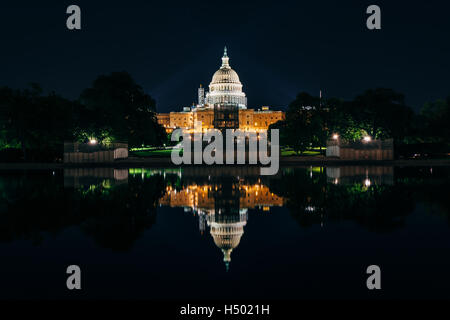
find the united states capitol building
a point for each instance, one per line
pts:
(224, 106)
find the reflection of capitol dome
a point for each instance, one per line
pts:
(225, 87)
(227, 231)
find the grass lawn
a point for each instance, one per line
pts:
(152, 153)
(288, 152)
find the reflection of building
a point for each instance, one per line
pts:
(202, 197)
(225, 99)
(223, 207)
(78, 177)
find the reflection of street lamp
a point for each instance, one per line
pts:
(367, 139)
(367, 183)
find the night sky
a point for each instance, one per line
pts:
(277, 48)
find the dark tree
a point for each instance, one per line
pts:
(118, 108)
(338, 119)
(282, 127)
(434, 120)
(34, 122)
(304, 123)
(382, 113)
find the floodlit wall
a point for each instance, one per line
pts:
(361, 150)
(86, 153)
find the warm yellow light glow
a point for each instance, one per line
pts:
(93, 141)
(367, 139)
(335, 136)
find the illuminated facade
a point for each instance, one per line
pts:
(225, 91)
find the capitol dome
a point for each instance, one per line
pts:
(225, 87)
(225, 75)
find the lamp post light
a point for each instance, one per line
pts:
(335, 136)
(367, 139)
(93, 141)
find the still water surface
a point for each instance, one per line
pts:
(225, 233)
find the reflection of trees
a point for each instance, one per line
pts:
(311, 200)
(118, 217)
(378, 208)
(431, 187)
(304, 196)
(30, 206)
(115, 216)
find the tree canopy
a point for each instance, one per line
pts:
(33, 121)
(117, 108)
(382, 113)
(378, 113)
(434, 119)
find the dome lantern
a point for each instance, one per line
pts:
(225, 60)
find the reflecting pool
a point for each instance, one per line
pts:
(225, 232)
